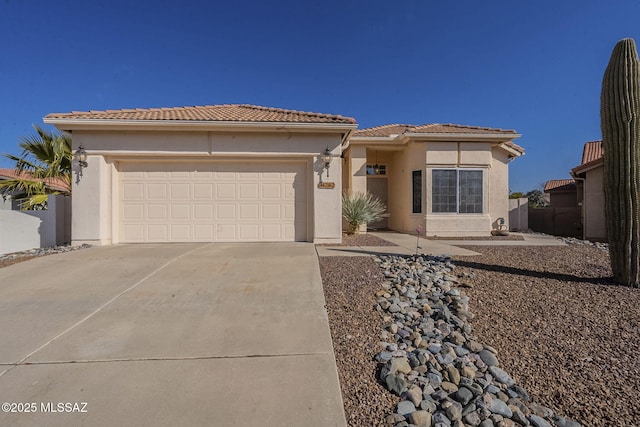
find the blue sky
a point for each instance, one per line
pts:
(532, 66)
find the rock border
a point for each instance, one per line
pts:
(37, 252)
(431, 359)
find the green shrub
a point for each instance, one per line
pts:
(360, 208)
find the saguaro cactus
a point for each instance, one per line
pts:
(620, 122)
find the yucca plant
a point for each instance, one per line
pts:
(620, 122)
(360, 208)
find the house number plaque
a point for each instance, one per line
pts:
(327, 185)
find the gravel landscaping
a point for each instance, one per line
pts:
(478, 238)
(350, 284)
(549, 315)
(563, 330)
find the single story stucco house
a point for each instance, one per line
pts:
(250, 173)
(589, 176)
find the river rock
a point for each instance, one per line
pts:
(405, 408)
(537, 421)
(501, 375)
(489, 358)
(420, 418)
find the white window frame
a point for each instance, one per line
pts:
(382, 166)
(457, 212)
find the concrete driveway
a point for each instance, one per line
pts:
(176, 334)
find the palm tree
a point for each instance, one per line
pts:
(43, 168)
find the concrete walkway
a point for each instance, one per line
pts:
(406, 245)
(174, 334)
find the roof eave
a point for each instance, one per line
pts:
(65, 124)
(511, 150)
(376, 140)
(463, 136)
(578, 170)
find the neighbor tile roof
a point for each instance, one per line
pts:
(400, 129)
(396, 129)
(592, 151)
(592, 155)
(559, 185)
(56, 184)
(226, 112)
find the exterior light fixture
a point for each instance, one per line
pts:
(376, 167)
(326, 158)
(81, 157)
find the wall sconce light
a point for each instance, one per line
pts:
(326, 158)
(81, 157)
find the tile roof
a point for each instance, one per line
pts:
(225, 112)
(385, 130)
(592, 151)
(55, 184)
(400, 129)
(592, 156)
(395, 129)
(559, 185)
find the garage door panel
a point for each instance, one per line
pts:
(134, 232)
(249, 191)
(161, 175)
(226, 211)
(134, 211)
(133, 191)
(203, 191)
(212, 202)
(272, 211)
(226, 233)
(226, 191)
(157, 233)
(271, 231)
(180, 175)
(181, 190)
(203, 175)
(203, 232)
(157, 190)
(180, 233)
(249, 211)
(249, 232)
(272, 190)
(203, 212)
(155, 211)
(180, 212)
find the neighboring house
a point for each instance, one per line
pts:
(562, 193)
(590, 194)
(6, 174)
(250, 173)
(561, 217)
(21, 230)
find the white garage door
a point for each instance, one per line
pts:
(205, 202)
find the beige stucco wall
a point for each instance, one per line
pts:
(95, 198)
(593, 205)
(498, 189)
(411, 158)
(427, 156)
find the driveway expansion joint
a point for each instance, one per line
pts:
(161, 359)
(97, 310)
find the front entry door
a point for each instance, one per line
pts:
(378, 187)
